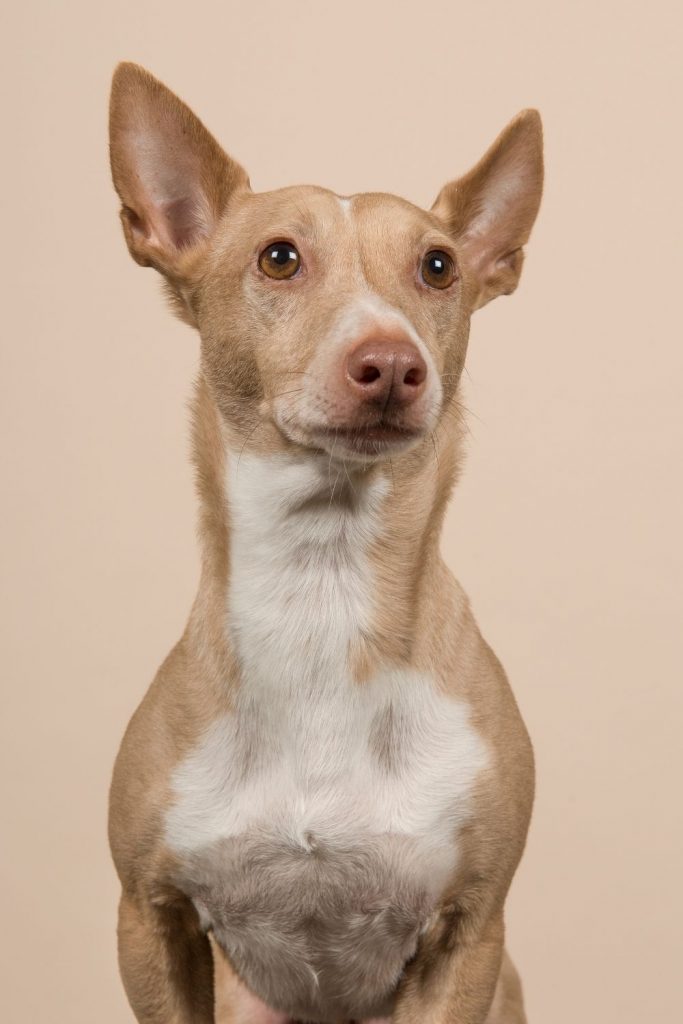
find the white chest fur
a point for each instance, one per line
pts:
(308, 753)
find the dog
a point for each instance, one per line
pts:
(328, 785)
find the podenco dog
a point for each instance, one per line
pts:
(329, 775)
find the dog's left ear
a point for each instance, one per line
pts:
(490, 211)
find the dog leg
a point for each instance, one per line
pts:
(454, 983)
(508, 1004)
(166, 964)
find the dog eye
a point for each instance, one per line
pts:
(280, 260)
(438, 269)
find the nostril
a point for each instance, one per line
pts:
(369, 374)
(414, 377)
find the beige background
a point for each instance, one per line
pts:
(565, 529)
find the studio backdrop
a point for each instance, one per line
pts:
(564, 529)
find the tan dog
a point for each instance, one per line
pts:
(329, 774)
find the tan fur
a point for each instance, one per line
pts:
(188, 211)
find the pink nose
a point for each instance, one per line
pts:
(382, 370)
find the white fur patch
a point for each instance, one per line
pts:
(299, 754)
(345, 203)
(366, 310)
(299, 583)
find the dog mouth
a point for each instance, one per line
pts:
(358, 442)
(368, 437)
(368, 440)
(350, 429)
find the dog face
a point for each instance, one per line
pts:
(337, 315)
(328, 323)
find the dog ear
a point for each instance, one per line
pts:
(173, 179)
(491, 210)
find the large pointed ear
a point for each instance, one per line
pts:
(173, 179)
(490, 211)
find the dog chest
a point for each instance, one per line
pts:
(316, 824)
(316, 835)
(391, 755)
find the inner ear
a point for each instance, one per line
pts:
(172, 177)
(490, 211)
(185, 223)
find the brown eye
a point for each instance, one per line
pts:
(280, 260)
(438, 269)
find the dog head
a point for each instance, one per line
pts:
(335, 324)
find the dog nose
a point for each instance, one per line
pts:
(380, 370)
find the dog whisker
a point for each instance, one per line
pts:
(295, 391)
(246, 441)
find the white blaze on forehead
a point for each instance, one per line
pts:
(345, 203)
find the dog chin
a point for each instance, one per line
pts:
(355, 444)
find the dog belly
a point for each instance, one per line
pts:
(318, 932)
(246, 1008)
(235, 1004)
(240, 1006)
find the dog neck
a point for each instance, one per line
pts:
(311, 564)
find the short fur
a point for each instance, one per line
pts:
(329, 777)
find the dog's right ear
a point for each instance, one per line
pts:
(173, 179)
